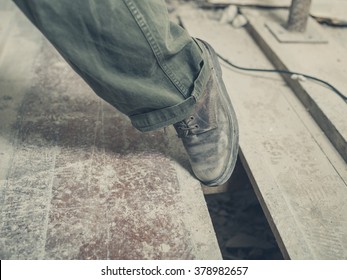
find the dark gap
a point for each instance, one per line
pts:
(241, 227)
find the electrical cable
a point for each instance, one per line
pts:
(344, 98)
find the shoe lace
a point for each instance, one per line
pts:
(186, 126)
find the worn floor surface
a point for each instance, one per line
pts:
(76, 180)
(316, 196)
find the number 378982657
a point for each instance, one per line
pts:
(207, 270)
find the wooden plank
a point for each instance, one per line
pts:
(302, 193)
(333, 11)
(327, 108)
(254, 3)
(77, 181)
(15, 78)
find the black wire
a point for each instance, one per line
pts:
(344, 98)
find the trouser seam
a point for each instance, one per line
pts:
(155, 48)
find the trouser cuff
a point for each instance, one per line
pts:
(170, 115)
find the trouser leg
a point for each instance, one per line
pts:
(129, 53)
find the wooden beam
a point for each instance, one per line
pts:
(328, 109)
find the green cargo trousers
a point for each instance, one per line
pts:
(129, 53)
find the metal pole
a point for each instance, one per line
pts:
(298, 15)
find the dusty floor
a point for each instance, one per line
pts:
(240, 224)
(59, 198)
(241, 227)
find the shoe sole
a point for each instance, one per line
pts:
(217, 72)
